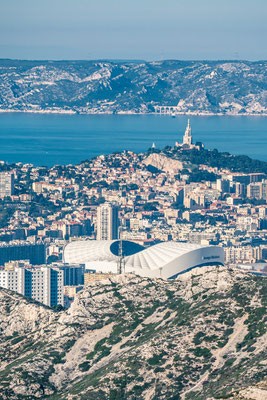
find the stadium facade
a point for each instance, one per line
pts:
(165, 260)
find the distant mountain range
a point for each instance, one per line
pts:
(197, 87)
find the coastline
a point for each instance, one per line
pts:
(189, 113)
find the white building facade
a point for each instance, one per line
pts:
(42, 284)
(6, 184)
(107, 221)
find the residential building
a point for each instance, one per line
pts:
(6, 184)
(107, 221)
(43, 284)
(22, 250)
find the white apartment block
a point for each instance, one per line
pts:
(6, 184)
(239, 254)
(107, 222)
(42, 284)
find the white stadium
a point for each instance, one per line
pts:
(165, 260)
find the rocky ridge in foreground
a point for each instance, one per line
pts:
(199, 337)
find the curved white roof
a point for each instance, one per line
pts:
(166, 259)
(89, 250)
(160, 254)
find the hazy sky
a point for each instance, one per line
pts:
(133, 29)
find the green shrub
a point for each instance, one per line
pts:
(202, 352)
(85, 366)
(198, 337)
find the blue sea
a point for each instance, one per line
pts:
(48, 139)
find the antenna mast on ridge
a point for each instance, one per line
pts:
(120, 264)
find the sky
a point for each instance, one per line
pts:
(133, 29)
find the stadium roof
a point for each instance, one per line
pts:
(166, 259)
(160, 254)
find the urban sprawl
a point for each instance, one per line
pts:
(148, 198)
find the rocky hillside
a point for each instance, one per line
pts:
(199, 337)
(228, 87)
(163, 163)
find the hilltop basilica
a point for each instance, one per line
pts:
(188, 141)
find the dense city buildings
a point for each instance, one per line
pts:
(181, 194)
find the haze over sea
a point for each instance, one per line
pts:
(48, 139)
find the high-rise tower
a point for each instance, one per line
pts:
(107, 221)
(187, 139)
(6, 184)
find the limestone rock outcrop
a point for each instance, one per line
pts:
(202, 336)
